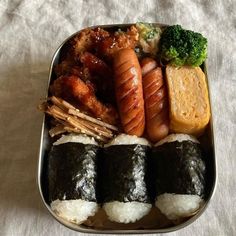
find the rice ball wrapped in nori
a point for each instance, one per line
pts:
(179, 171)
(124, 190)
(72, 177)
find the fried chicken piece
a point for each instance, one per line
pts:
(87, 39)
(73, 88)
(93, 71)
(67, 67)
(95, 65)
(119, 40)
(103, 42)
(102, 76)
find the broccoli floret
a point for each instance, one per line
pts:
(182, 47)
(149, 37)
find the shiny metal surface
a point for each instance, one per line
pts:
(45, 145)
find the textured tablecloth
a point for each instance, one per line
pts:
(30, 32)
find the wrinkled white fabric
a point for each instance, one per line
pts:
(30, 32)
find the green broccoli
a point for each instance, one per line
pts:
(182, 47)
(149, 37)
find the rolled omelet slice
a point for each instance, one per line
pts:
(189, 107)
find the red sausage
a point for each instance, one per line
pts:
(129, 91)
(156, 100)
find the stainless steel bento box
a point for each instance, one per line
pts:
(45, 144)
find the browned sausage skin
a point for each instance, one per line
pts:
(156, 103)
(129, 91)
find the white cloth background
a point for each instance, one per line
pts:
(30, 32)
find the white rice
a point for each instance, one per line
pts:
(75, 211)
(125, 139)
(175, 206)
(126, 212)
(75, 138)
(177, 137)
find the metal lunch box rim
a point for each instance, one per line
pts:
(78, 228)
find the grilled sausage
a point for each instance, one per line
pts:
(156, 100)
(129, 91)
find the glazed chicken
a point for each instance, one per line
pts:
(117, 41)
(104, 43)
(72, 88)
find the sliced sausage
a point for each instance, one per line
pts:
(129, 91)
(156, 100)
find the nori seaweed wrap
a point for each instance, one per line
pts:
(179, 172)
(123, 183)
(72, 177)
